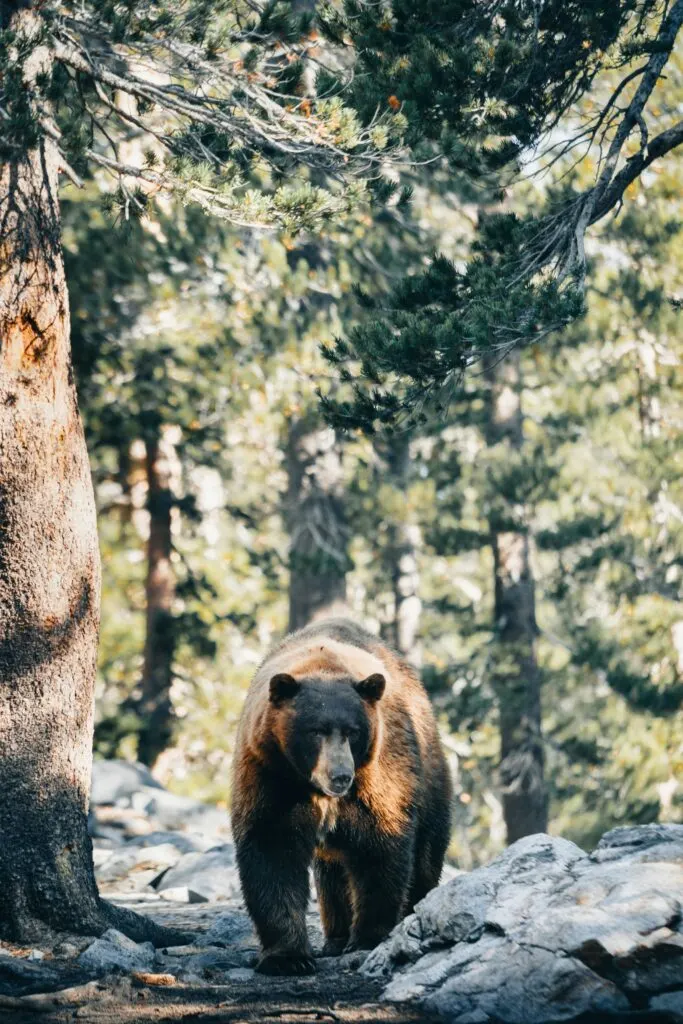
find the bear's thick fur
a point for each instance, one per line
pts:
(338, 761)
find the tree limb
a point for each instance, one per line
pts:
(660, 146)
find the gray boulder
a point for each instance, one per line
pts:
(169, 811)
(143, 863)
(212, 874)
(547, 932)
(116, 780)
(182, 841)
(114, 951)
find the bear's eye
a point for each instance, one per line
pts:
(349, 732)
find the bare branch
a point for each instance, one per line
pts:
(660, 146)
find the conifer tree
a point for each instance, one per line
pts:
(490, 86)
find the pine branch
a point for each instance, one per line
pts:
(657, 148)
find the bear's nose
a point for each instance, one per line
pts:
(341, 781)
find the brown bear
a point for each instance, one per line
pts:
(338, 761)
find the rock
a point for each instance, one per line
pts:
(546, 932)
(668, 1002)
(100, 856)
(183, 842)
(212, 874)
(114, 951)
(212, 963)
(641, 842)
(66, 950)
(115, 780)
(241, 974)
(181, 894)
(114, 823)
(128, 861)
(232, 929)
(171, 811)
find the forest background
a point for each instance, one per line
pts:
(229, 509)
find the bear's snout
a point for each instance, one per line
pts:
(341, 781)
(334, 769)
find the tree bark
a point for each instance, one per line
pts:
(516, 674)
(49, 572)
(157, 674)
(314, 514)
(401, 554)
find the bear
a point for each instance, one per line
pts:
(338, 763)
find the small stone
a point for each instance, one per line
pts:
(212, 874)
(36, 954)
(181, 894)
(241, 974)
(231, 929)
(66, 950)
(115, 951)
(181, 951)
(668, 1002)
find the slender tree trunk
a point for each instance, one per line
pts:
(649, 407)
(402, 556)
(49, 572)
(315, 518)
(517, 677)
(157, 673)
(125, 469)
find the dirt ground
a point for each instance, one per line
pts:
(347, 998)
(332, 995)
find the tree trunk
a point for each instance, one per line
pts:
(315, 519)
(516, 674)
(49, 572)
(157, 673)
(401, 554)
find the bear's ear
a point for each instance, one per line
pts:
(372, 688)
(283, 687)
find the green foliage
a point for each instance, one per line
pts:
(481, 71)
(494, 88)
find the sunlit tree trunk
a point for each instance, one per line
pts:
(315, 519)
(516, 673)
(49, 571)
(157, 674)
(49, 575)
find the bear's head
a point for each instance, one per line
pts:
(325, 728)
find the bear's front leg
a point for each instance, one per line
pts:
(334, 900)
(273, 870)
(379, 880)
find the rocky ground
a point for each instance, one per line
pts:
(172, 858)
(544, 933)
